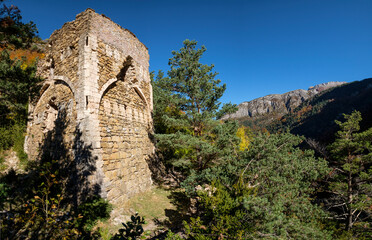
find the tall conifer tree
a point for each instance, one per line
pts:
(351, 180)
(188, 101)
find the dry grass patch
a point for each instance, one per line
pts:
(151, 205)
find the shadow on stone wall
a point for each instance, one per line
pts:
(59, 178)
(73, 160)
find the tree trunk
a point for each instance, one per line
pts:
(349, 219)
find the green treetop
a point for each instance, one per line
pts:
(195, 85)
(13, 32)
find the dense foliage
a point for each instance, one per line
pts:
(40, 207)
(266, 193)
(18, 83)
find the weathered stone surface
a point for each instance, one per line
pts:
(278, 103)
(97, 73)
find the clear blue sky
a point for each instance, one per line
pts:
(259, 47)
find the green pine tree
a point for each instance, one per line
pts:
(186, 106)
(195, 86)
(352, 174)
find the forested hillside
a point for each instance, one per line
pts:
(20, 49)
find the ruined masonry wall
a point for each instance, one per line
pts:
(124, 139)
(56, 98)
(98, 71)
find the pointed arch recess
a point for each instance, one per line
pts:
(112, 81)
(66, 81)
(56, 79)
(120, 77)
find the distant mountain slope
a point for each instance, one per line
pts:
(277, 105)
(315, 117)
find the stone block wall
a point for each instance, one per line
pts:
(97, 74)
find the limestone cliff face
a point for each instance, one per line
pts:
(279, 104)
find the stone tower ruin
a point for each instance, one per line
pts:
(97, 100)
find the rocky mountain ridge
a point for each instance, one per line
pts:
(315, 118)
(279, 104)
